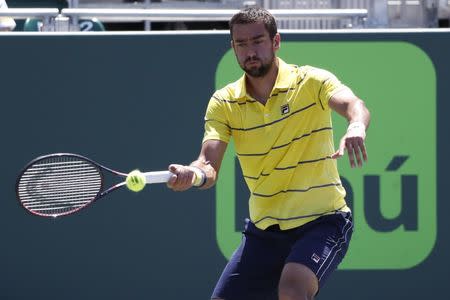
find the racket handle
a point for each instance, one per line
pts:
(157, 177)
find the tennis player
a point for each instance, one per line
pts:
(279, 116)
(6, 23)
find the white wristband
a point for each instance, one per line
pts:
(356, 124)
(200, 176)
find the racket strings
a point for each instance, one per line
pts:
(59, 185)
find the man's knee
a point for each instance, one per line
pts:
(297, 282)
(294, 293)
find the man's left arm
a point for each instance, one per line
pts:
(354, 110)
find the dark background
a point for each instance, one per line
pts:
(137, 101)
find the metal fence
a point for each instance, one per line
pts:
(68, 19)
(290, 14)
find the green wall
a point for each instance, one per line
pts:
(137, 101)
(373, 69)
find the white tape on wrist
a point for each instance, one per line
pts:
(200, 176)
(355, 125)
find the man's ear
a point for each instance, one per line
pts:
(276, 41)
(232, 44)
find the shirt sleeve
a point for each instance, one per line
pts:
(217, 126)
(325, 86)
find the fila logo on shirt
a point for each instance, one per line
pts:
(284, 109)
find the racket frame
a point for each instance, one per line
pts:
(100, 168)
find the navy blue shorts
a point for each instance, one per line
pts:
(254, 270)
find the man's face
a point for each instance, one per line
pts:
(254, 49)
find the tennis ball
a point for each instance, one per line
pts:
(135, 181)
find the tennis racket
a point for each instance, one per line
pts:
(63, 183)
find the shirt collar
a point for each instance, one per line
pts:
(285, 75)
(283, 81)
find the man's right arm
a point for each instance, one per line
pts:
(208, 164)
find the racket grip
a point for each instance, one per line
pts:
(157, 177)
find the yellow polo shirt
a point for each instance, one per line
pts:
(284, 147)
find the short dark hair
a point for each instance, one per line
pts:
(252, 15)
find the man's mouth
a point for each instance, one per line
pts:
(252, 62)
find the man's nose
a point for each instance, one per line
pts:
(251, 54)
(251, 51)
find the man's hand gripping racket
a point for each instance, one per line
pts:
(63, 183)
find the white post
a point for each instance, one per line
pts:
(378, 14)
(147, 24)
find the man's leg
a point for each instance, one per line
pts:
(321, 246)
(254, 269)
(297, 282)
